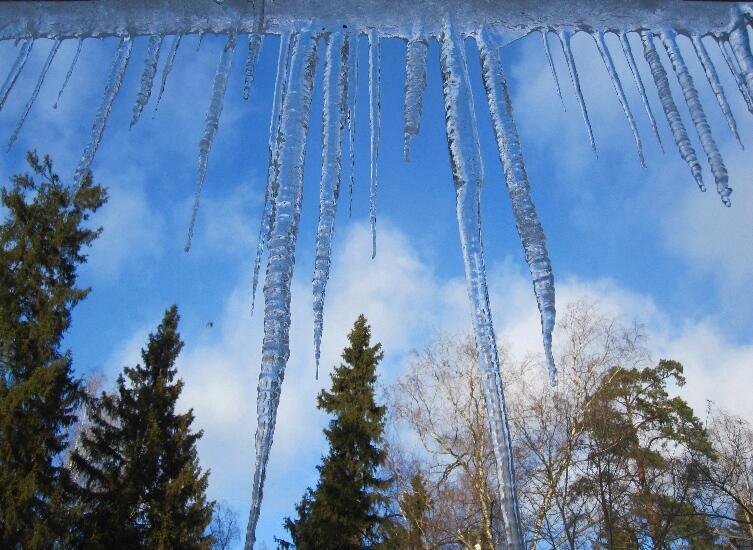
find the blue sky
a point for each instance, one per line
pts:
(644, 242)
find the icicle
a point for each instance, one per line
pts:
(698, 116)
(728, 58)
(18, 65)
(147, 76)
(211, 124)
(738, 40)
(601, 45)
(670, 108)
(70, 71)
(551, 66)
(467, 171)
(201, 39)
(628, 52)
(716, 85)
(564, 36)
(34, 94)
(270, 193)
(117, 70)
(276, 348)
(375, 128)
(333, 125)
(352, 122)
(167, 68)
(526, 220)
(254, 46)
(415, 84)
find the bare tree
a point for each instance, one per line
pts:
(224, 527)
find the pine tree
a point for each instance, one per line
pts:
(142, 483)
(41, 246)
(345, 510)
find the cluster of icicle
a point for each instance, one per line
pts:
(296, 66)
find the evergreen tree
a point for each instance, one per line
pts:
(142, 483)
(345, 510)
(41, 245)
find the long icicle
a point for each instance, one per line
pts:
(548, 53)
(211, 124)
(34, 94)
(564, 37)
(147, 76)
(601, 45)
(467, 171)
(728, 58)
(70, 71)
(18, 65)
(352, 121)
(254, 47)
(415, 84)
(670, 108)
(716, 85)
(115, 78)
(167, 68)
(334, 114)
(276, 345)
(738, 39)
(270, 193)
(698, 116)
(518, 187)
(375, 128)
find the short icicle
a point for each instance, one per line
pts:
(276, 345)
(333, 126)
(738, 39)
(147, 76)
(698, 116)
(467, 171)
(34, 94)
(728, 58)
(519, 189)
(353, 93)
(70, 71)
(565, 35)
(114, 80)
(375, 128)
(670, 108)
(169, 62)
(415, 84)
(548, 52)
(15, 70)
(254, 47)
(606, 56)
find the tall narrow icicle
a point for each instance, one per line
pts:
(698, 116)
(211, 124)
(276, 345)
(352, 120)
(716, 85)
(728, 58)
(467, 172)
(375, 122)
(15, 70)
(548, 52)
(34, 94)
(601, 45)
(147, 76)
(167, 68)
(334, 114)
(254, 46)
(415, 84)
(115, 78)
(670, 108)
(270, 193)
(70, 71)
(738, 39)
(565, 36)
(518, 187)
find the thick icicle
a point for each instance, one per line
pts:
(698, 116)
(34, 94)
(352, 121)
(254, 46)
(18, 65)
(601, 45)
(115, 78)
(670, 108)
(276, 346)
(728, 58)
(415, 84)
(518, 187)
(375, 128)
(738, 39)
(167, 68)
(565, 36)
(333, 125)
(211, 124)
(70, 72)
(548, 52)
(147, 76)
(716, 85)
(270, 193)
(467, 171)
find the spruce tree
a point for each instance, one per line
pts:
(142, 483)
(345, 510)
(41, 245)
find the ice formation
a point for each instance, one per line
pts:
(301, 28)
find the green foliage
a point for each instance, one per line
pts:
(142, 483)
(41, 246)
